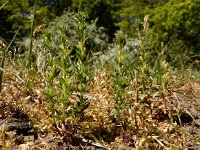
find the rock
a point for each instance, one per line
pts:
(194, 112)
(18, 122)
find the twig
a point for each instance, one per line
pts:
(3, 5)
(5, 119)
(95, 144)
(159, 142)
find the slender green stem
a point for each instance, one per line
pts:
(31, 36)
(3, 59)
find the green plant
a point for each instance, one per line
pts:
(177, 26)
(68, 69)
(120, 81)
(135, 68)
(2, 61)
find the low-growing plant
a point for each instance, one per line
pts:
(137, 70)
(120, 80)
(68, 70)
(133, 84)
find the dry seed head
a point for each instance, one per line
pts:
(145, 25)
(39, 29)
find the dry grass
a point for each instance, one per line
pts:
(151, 129)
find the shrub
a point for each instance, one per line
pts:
(177, 21)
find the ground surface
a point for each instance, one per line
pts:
(17, 129)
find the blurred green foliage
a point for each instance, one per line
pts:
(174, 23)
(19, 13)
(105, 11)
(178, 20)
(132, 12)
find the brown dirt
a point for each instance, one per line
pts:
(189, 98)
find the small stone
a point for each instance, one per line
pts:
(29, 138)
(194, 113)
